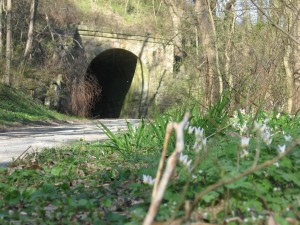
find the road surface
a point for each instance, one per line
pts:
(14, 143)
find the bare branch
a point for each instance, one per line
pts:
(171, 164)
(239, 176)
(275, 25)
(162, 159)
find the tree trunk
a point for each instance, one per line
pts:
(260, 16)
(229, 23)
(213, 80)
(33, 10)
(7, 79)
(289, 76)
(296, 54)
(176, 9)
(1, 43)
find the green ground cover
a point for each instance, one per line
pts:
(18, 109)
(108, 183)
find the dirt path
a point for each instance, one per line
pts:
(14, 143)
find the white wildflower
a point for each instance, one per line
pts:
(191, 129)
(276, 164)
(266, 136)
(260, 217)
(199, 133)
(185, 161)
(281, 149)
(147, 179)
(268, 141)
(288, 138)
(260, 127)
(243, 128)
(197, 146)
(245, 142)
(276, 189)
(245, 153)
(200, 142)
(278, 115)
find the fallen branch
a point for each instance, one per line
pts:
(23, 153)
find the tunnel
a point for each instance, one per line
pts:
(114, 70)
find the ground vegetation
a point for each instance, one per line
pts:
(238, 170)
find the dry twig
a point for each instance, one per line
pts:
(171, 164)
(239, 176)
(162, 159)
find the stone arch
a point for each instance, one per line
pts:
(121, 75)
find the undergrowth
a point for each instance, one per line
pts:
(111, 182)
(17, 108)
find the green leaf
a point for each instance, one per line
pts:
(56, 171)
(82, 203)
(211, 196)
(107, 202)
(13, 197)
(240, 184)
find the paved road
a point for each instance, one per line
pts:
(14, 143)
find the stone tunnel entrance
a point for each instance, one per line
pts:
(114, 69)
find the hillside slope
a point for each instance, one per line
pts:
(17, 109)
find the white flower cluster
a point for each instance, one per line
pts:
(237, 124)
(200, 140)
(263, 131)
(147, 179)
(282, 148)
(185, 161)
(244, 144)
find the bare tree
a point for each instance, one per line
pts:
(33, 10)
(207, 32)
(296, 54)
(7, 79)
(1, 43)
(176, 9)
(229, 23)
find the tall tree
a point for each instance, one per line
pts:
(296, 55)
(1, 43)
(229, 28)
(33, 10)
(176, 10)
(207, 32)
(7, 79)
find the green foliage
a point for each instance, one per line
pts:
(92, 182)
(16, 107)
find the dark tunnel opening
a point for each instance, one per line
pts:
(114, 69)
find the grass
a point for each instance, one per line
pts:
(135, 20)
(102, 183)
(18, 109)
